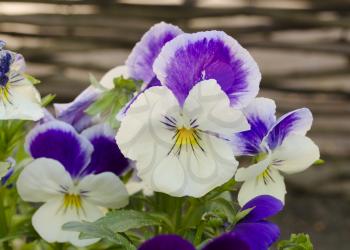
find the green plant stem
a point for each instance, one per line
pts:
(3, 219)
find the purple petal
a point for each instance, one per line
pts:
(227, 242)
(106, 156)
(167, 242)
(191, 58)
(58, 140)
(264, 206)
(259, 236)
(296, 122)
(141, 58)
(260, 114)
(74, 112)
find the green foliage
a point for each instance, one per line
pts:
(32, 79)
(296, 242)
(113, 225)
(11, 137)
(47, 100)
(111, 101)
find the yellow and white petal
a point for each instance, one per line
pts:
(296, 154)
(107, 80)
(209, 104)
(50, 217)
(42, 180)
(105, 190)
(244, 174)
(24, 103)
(195, 172)
(271, 184)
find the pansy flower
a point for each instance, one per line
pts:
(176, 132)
(175, 242)
(277, 145)
(253, 232)
(18, 97)
(75, 176)
(137, 66)
(6, 170)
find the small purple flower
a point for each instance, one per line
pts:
(253, 229)
(253, 232)
(175, 242)
(277, 145)
(6, 171)
(74, 175)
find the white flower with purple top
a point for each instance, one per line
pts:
(277, 145)
(75, 176)
(18, 97)
(177, 132)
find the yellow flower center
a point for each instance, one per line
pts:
(187, 138)
(72, 201)
(5, 94)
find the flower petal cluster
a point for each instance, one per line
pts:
(278, 145)
(74, 175)
(19, 99)
(252, 233)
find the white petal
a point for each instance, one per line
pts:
(51, 216)
(211, 106)
(25, 103)
(107, 80)
(296, 154)
(274, 186)
(244, 174)
(42, 180)
(142, 136)
(169, 176)
(105, 189)
(210, 169)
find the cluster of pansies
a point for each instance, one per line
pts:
(178, 134)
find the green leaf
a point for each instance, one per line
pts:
(127, 84)
(124, 220)
(32, 79)
(319, 162)
(112, 224)
(47, 100)
(106, 100)
(296, 242)
(241, 214)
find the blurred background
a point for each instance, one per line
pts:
(302, 47)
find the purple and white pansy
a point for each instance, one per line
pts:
(177, 132)
(277, 145)
(74, 175)
(19, 99)
(251, 233)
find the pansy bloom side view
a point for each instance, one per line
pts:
(18, 97)
(277, 145)
(148, 157)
